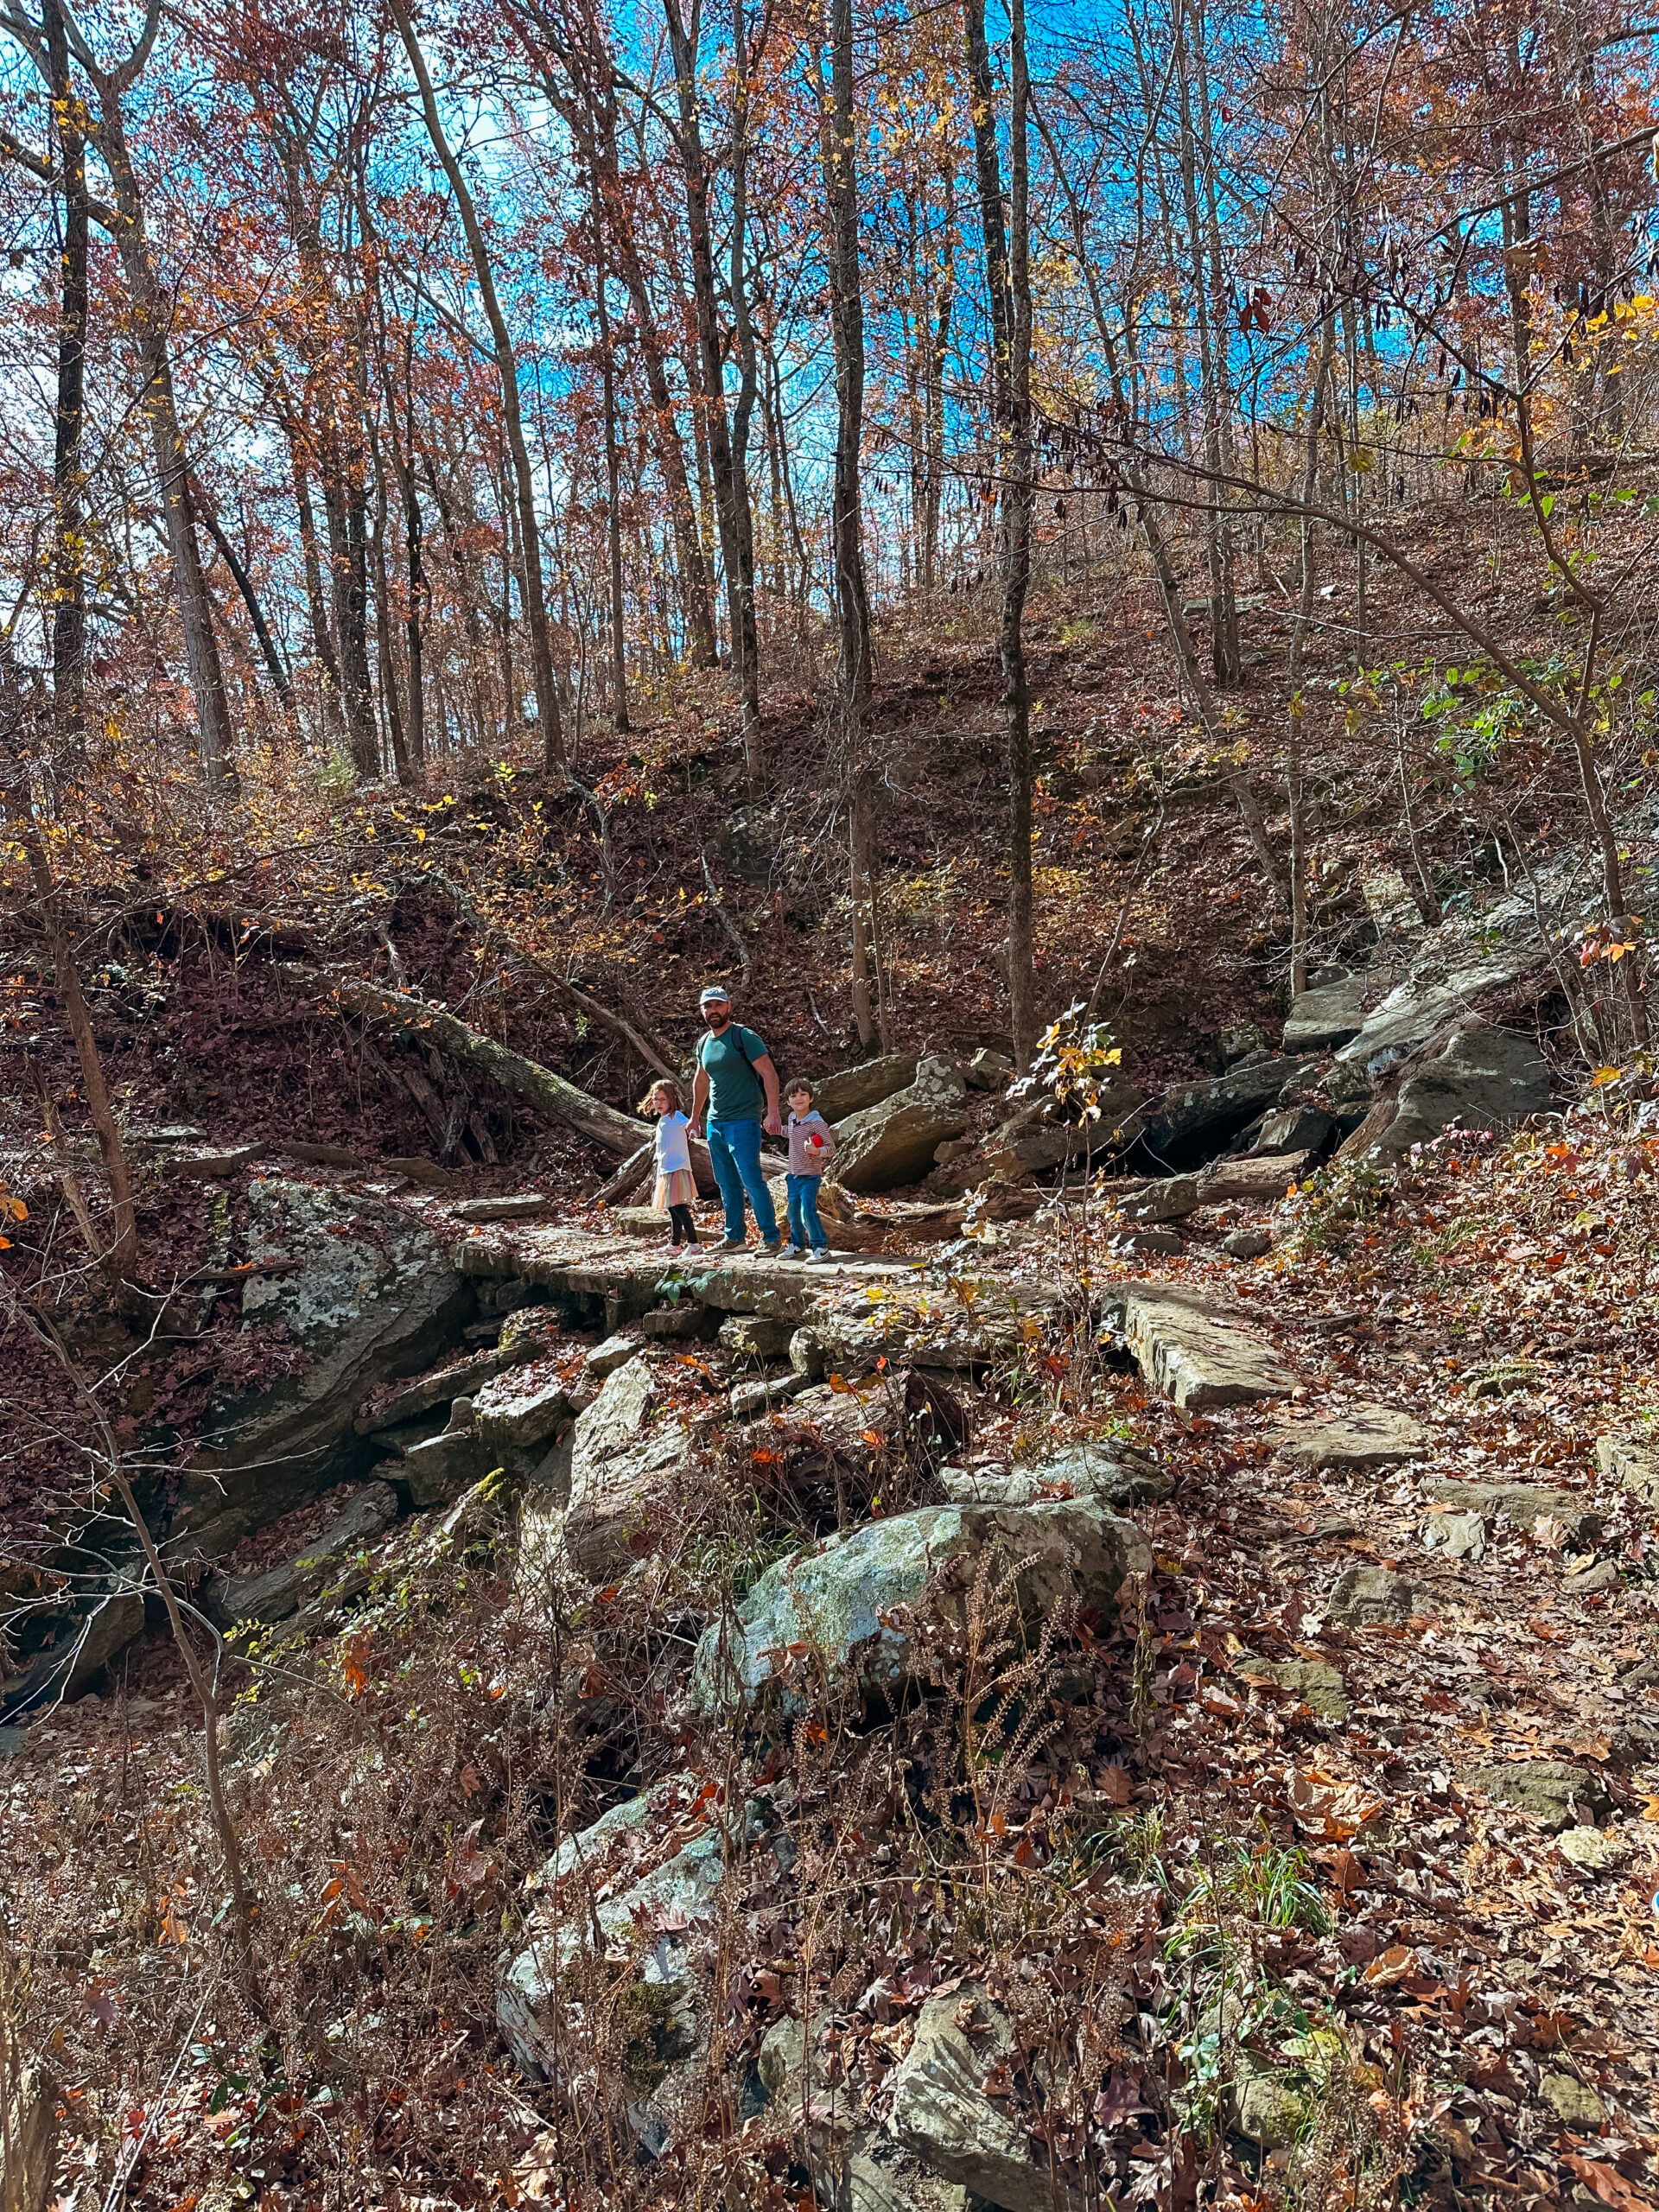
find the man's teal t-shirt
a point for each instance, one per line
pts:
(735, 1092)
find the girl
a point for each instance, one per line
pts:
(677, 1187)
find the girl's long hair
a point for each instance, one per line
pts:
(647, 1104)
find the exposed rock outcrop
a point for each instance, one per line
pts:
(837, 1604)
(892, 1143)
(376, 1296)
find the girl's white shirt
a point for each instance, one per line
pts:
(673, 1144)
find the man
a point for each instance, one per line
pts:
(737, 1084)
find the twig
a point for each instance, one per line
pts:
(127, 2164)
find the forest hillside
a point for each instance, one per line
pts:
(1072, 590)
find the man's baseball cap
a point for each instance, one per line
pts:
(716, 995)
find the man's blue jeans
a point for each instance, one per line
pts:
(734, 1154)
(805, 1227)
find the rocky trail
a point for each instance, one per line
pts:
(1135, 1679)
(1322, 1629)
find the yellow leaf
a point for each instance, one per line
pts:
(1605, 1076)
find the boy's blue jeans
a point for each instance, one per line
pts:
(734, 1154)
(805, 1227)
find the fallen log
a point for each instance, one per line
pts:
(537, 1086)
(616, 1187)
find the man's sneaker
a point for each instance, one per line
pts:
(816, 1252)
(772, 1251)
(734, 1245)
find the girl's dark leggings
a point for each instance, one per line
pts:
(685, 1229)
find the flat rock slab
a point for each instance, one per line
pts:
(524, 1407)
(1363, 1436)
(1553, 1792)
(390, 1406)
(1364, 1597)
(1522, 1504)
(1115, 1477)
(1315, 1682)
(605, 1358)
(1200, 1352)
(573, 1263)
(1170, 1198)
(1260, 1181)
(521, 1208)
(1631, 1461)
(1328, 1015)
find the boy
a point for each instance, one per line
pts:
(811, 1147)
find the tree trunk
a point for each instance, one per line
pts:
(68, 625)
(16, 804)
(1212, 341)
(612, 465)
(244, 582)
(732, 511)
(400, 760)
(1008, 269)
(588, 104)
(151, 318)
(345, 511)
(541, 651)
(839, 150)
(933, 415)
(322, 642)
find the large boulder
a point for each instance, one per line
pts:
(644, 1876)
(1112, 1474)
(1458, 967)
(627, 1450)
(523, 1408)
(112, 1624)
(1360, 1436)
(1293, 1129)
(839, 1600)
(942, 2113)
(375, 1297)
(1481, 1079)
(854, 1091)
(892, 1143)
